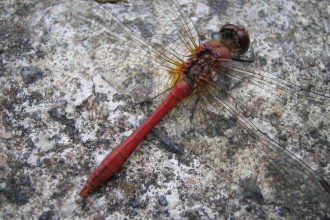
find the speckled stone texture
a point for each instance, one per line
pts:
(59, 119)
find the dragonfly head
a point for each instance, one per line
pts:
(236, 37)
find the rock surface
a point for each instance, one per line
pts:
(59, 123)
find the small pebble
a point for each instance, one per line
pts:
(162, 200)
(248, 208)
(191, 182)
(105, 113)
(30, 74)
(5, 93)
(5, 135)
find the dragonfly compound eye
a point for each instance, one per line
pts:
(237, 35)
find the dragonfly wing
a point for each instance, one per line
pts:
(316, 90)
(247, 133)
(136, 55)
(237, 121)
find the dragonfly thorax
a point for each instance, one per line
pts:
(211, 57)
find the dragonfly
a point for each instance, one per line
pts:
(218, 94)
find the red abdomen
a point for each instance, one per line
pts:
(112, 162)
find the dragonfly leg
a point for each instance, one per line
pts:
(246, 60)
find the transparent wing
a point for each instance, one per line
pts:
(247, 124)
(273, 83)
(249, 127)
(140, 54)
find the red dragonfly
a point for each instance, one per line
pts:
(206, 80)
